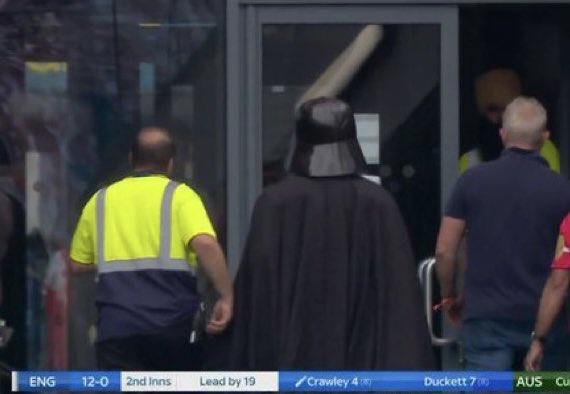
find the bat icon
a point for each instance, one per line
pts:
(300, 381)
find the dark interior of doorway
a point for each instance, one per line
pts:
(533, 41)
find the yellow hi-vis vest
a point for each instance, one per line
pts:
(138, 232)
(548, 151)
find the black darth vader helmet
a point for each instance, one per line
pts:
(326, 140)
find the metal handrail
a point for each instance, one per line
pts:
(425, 274)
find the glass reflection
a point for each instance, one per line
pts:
(77, 79)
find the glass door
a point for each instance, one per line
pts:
(396, 67)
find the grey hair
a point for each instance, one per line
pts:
(524, 120)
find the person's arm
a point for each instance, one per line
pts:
(448, 242)
(211, 259)
(77, 267)
(553, 297)
(551, 302)
(82, 248)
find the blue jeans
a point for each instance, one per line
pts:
(502, 345)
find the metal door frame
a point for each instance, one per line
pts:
(245, 19)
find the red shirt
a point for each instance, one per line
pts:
(563, 262)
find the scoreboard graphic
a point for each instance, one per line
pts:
(370, 381)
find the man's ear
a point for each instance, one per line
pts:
(504, 136)
(170, 167)
(545, 135)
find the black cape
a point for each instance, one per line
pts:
(328, 281)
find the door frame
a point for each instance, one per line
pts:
(245, 19)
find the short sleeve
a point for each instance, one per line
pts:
(192, 216)
(565, 229)
(562, 261)
(456, 205)
(83, 241)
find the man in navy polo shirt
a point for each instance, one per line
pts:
(509, 210)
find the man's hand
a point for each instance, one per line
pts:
(534, 356)
(221, 316)
(211, 258)
(452, 307)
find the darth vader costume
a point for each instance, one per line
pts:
(327, 279)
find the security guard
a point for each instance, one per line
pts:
(145, 234)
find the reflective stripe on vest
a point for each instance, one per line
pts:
(162, 262)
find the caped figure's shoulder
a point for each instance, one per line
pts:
(294, 187)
